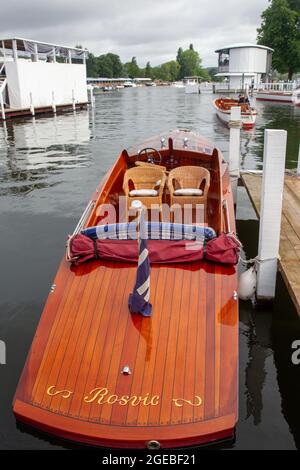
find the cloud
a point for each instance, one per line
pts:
(148, 29)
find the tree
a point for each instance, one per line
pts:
(167, 72)
(148, 70)
(212, 72)
(174, 69)
(294, 5)
(280, 30)
(179, 54)
(116, 65)
(190, 64)
(91, 66)
(104, 66)
(133, 69)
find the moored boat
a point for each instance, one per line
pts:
(223, 108)
(278, 96)
(192, 85)
(98, 373)
(296, 97)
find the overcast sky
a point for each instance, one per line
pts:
(148, 29)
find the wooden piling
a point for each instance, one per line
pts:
(289, 248)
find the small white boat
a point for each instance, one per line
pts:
(178, 84)
(279, 96)
(296, 97)
(223, 109)
(192, 85)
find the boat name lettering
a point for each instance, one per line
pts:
(102, 396)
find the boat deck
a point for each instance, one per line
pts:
(289, 261)
(183, 359)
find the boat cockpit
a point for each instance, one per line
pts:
(178, 178)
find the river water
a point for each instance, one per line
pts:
(48, 170)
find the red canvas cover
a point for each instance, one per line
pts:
(83, 248)
(223, 249)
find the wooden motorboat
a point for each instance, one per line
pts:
(275, 95)
(100, 375)
(223, 108)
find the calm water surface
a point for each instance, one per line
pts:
(48, 170)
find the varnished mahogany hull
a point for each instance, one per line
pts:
(187, 349)
(184, 359)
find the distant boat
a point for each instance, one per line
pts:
(178, 84)
(100, 375)
(274, 95)
(296, 97)
(223, 108)
(128, 84)
(192, 85)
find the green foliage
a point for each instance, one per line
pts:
(294, 5)
(212, 71)
(179, 54)
(91, 66)
(109, 65)
(106, 65)
(132, 69)
(166, 72)
(190, 64)
(280, 30)
(148, 70)
(116, 65)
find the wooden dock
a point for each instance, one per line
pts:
(289, 262)
(11, 113)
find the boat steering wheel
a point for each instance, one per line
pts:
(154, 159)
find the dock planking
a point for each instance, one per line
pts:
(11, 113)
(289, 262)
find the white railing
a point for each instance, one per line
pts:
(280, 86)
(3, 84)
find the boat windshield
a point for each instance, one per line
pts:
(182, 139)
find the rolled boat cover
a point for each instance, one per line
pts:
(154, 231)
(82, 248)
(223, 249)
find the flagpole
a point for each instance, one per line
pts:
(138, 301)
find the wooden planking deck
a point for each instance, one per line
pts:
(289, 262)
(188, 349)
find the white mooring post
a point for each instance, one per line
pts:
(73, 101)
(92, 98)
(2, 107)
(53, 103)
(234, 148)
(298, 166)
(270, 212)
(31, 105)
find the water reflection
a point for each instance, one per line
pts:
(48, 170)
(35, 148)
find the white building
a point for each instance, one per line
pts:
(243, 64)
(40, 75)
